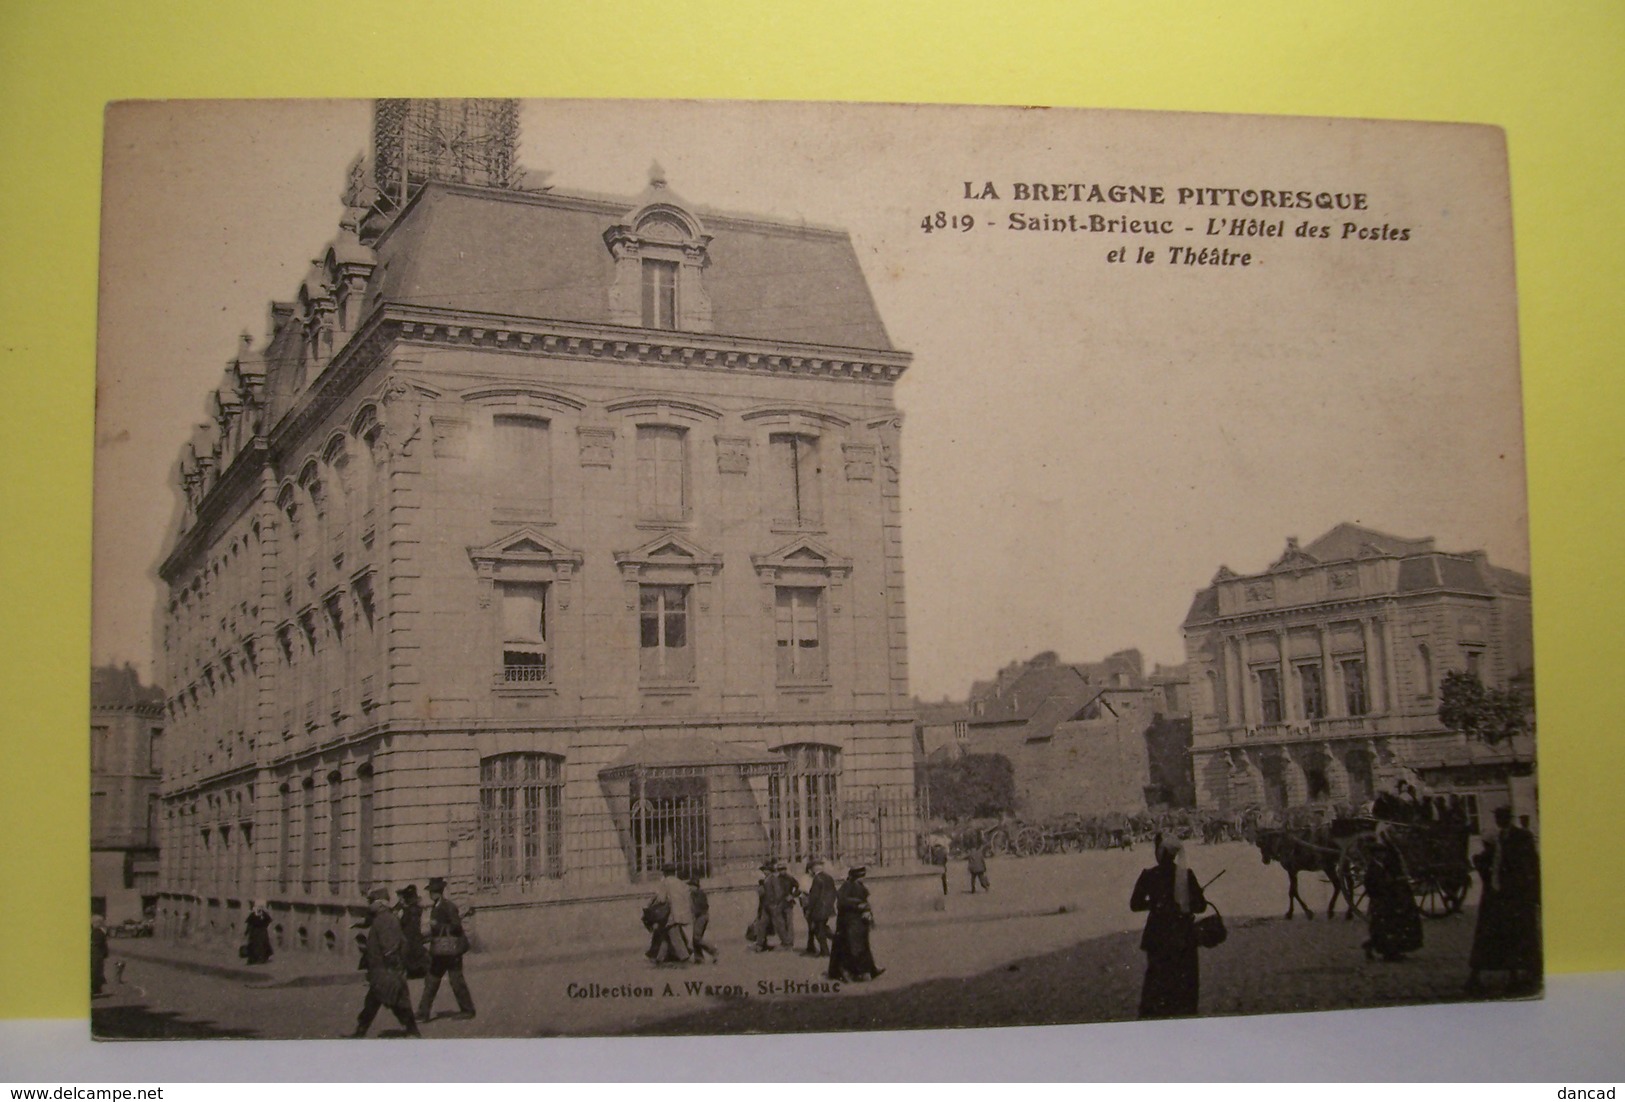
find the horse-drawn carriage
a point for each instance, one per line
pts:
(1433, 855)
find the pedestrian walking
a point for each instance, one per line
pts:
(1171, 895)
(851, 957)
(1395, 923)
(447, 944)
(257, 934)
(701, 908)
(410, 912)
(818, 907)
(385, 963)
(938, 845)
(674, 898)
(784, 905)
(98, 954)
(976, 864)
(1507, 936)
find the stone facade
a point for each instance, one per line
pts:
(548, 538)
(126, 757)
(1088, 738)
(1317, 681)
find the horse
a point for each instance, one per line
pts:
(1302, 851)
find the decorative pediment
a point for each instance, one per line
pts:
(1294, 558)
(526, 545)
(525, 555)
(1225, 574)
(796, 416)
(669, 558)
(802, 553)
(669, 549)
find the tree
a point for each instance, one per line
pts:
(1490, 714)
(972, 786)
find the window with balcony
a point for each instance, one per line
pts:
(1355, 702)
(524, 632)
(1312, 690)
(1269, 695)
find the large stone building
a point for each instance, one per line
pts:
(1318, 680)
(126, 758)
(547, 538)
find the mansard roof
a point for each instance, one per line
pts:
(1351, 541)
(542, 255)
(120, 687)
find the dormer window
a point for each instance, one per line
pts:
(660, 252)
(659, 294)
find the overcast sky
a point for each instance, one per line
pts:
(1085, 442)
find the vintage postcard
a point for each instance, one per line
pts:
(619, 568)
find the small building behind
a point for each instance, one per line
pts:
(126, 757)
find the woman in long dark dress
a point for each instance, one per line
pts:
(1171, 894)
(257, 935)
(1396, 924)
(850, 956)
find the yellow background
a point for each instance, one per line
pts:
(1553, 75)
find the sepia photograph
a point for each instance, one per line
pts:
(599, 568)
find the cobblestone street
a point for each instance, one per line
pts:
(1053, 942)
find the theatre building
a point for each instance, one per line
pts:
(1318, 680)
(547, 538)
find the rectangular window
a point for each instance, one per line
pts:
(1354, 696)
(1313, 690)
(664, 644)
(660, 294)
(524, 632)
(523, 457)
(98, 816)
(796, 470)
(99, 741)
(1475, 663)
(798, 616)
(155, 750)
(662, 472)
(1269, 695)
(153, 840)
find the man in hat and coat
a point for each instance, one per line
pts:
(447, 944)
(673, 898)
(851, 957)
(819, 906)
(785, 890)
(384, 960)
(410, 913)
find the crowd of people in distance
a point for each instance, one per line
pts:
(678, 916)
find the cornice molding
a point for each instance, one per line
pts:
(627, 344)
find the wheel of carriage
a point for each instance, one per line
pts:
(1455, 891)
(999, 843)
(1030, 842)
(1434, 898)
(1072, 843)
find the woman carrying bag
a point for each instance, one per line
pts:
(1169, 891)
